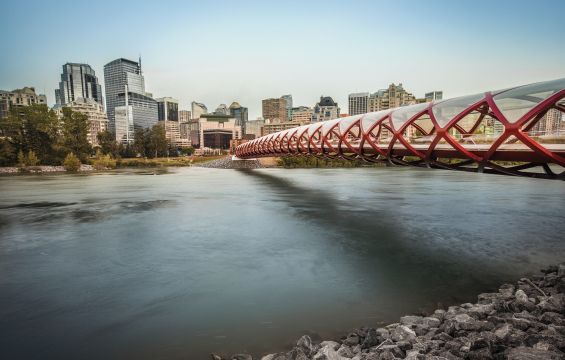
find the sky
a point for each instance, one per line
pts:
(222, 51)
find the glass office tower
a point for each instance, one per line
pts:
(78, 81)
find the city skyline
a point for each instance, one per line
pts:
(355, 48)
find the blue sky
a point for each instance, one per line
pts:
(219, 51)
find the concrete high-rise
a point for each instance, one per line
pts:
(326, 109)
(167, 109)
(358, 103)
(125, 88)
(393, 96)
(19, 97)
(78, 81)
(275, 110)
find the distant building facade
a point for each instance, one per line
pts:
(276, 127)
(125, 88)
(214, 131)
(302, 114)
(275, 109)
(358, 103)
(167, 109)
(433, 96)
(97, 119)
(19, 97)
(288, 99)
(393, 96)
(240, 113)
(255, 127)
(78, 81)
(184, 116)
(198, 109)
(325, 109)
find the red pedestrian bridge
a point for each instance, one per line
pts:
(516, 131)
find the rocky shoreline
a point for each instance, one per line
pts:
(41, 169)
(522, 321)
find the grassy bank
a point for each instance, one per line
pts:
(161, 162)
(313, 162)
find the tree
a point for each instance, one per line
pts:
(71, 163)
(21, 159)
(151, 142)
(108, 143)
(8, 154)
(74, 129)
(187, 151)
(141, 139)
(158, 141)
(33, 127)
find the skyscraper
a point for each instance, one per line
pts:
(240, 113)
(275, 110)
(78, 81)
(358, 103)
(167, 109)
(125, 88)
(288, 99)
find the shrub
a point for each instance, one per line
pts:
(32, 159)
(103, 162)
(21, 159)
(71, 163)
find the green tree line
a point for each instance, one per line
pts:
(34, 135)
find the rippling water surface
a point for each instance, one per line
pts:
(178, 265)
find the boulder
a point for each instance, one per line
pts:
(371, 339)
(411, 320)
(242, 357)
(526, 353)
(305, 343)
(403, 333)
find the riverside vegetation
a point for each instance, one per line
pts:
(522, 321)
(35, 139)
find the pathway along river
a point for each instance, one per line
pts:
(178, 265)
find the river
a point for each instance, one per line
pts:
(178, 264)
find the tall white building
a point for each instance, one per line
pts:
(358, 103)
(125, 86)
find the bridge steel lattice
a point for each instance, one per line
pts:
(516, 131)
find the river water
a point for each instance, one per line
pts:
(144, 265)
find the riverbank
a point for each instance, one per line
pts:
(522, 321)
(120, 164)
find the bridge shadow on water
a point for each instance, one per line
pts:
(379, 248)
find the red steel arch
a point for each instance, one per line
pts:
(515, 131)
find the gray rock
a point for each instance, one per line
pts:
(431, 322)
(242, 357)
(525, 353)
(352, 339)
(411, 320)
(346, 352)
(521, 296)
(327, 351)
(403, 333)
(215, 357)
(305, 343)
(371, 339)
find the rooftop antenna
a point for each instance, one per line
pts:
(140, 72)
